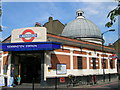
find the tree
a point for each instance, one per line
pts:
(112, 15)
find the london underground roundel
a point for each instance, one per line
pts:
(28, 35)
(113, 57)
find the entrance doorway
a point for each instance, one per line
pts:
(30, 69)
(28, 66)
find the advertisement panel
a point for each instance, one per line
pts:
(2, 82)
(61, 69)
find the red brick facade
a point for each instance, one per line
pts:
(63, 59)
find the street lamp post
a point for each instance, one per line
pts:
(103, 63)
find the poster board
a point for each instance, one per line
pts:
(61, 69)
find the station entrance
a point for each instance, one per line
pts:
(28, 58)
(28, 66)
(30, 69)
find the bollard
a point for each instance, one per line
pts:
(94, 79)
(88, 80)
(109, 77)
(55, 83)
(119, 76)
(33, 84)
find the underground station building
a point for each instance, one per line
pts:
(57, 50)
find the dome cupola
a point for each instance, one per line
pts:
(79, 13)
(83, 29)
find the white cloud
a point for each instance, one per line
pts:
(111, 37)
(111, 7)
(4, 27)
(1, 36)
(101, 9)
(91, 11)
(93, 8)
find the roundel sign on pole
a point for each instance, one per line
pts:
(62, 79)
(28, 35)
(113, 57)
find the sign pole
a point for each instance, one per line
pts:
(56, 83)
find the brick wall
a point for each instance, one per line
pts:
(63, 59)
(79, 52)
(75, 62)
(84, 61)
(90, 67)
(63, 50)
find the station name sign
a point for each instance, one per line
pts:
(30, 46)
(22, 46)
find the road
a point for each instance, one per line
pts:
(110, 86)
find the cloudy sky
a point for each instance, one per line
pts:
(25, 14)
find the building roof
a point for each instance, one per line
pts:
(72, 42)
(54, 26)
(81, 27)
(79, 43)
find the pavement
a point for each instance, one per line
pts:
(101, 84)
(114, 83)
(109, 85)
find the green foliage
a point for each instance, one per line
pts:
(112, 15)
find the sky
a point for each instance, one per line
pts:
(26, 14)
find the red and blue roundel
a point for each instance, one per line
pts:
(113, 56)
(28, 35)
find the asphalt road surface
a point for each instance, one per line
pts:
(110, 86)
